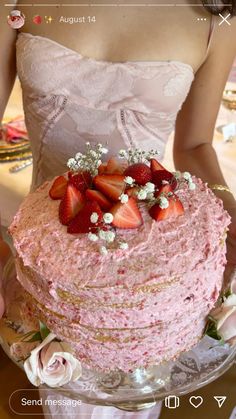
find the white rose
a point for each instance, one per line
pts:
(225, 318)
(52, 363)
(233, 284)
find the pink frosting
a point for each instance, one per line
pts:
(131, 307)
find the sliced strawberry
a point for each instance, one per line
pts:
(140, 172)
(155, 165)
(163, 175)
(116, 166)
(93, 195)
(163, 189)
(174, 209)
(58, 188)
(111, 186)
(81, 180)
(82, 223)
(126, 215)
(102, 168)
(72, 202)
(133, 192)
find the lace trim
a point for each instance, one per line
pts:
(123, 121)
(47, 128)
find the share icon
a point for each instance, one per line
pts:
(220, 400)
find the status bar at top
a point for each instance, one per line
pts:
(113, 4)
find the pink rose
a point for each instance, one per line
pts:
(233, 283)
(21, 350)
(225, 318)
(52, 363)
(16, 19)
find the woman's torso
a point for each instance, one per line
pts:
(126, 94)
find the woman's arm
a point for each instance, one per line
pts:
(7, 59)
(196, 120)
(7, 78)
(193, 150)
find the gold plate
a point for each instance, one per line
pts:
(16, 157)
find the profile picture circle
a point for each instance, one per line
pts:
(16, 19)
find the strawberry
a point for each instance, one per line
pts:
(163, 175)
(116, 166)
(58, 188)
(155, 165)
(126, 215)
(132, 192)
(163, 189)
(82, 223)
(110, 185)
(81, 180)
(174, 209)
(93, 195)
(102, 168)
(72, 202)
(140, 172)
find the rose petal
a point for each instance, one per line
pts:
(227, 330)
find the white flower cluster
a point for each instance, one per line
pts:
(186, 176)
(90, 161)
(124, 198)
(136, 155)
(163, 202)
(189, 180)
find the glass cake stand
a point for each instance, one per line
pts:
(141, 389)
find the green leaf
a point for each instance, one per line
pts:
(212, 331)
(36, 337)
(44, 331)
(27, 335)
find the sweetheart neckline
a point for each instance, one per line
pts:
(104, 61)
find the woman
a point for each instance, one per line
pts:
(152, 69)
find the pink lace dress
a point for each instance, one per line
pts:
(70, 99)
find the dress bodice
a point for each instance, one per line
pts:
(70, 99)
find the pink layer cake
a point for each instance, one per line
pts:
(128, 308)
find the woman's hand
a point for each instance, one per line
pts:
(5, 253)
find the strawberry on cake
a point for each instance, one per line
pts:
(121, 258)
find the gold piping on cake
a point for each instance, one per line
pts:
(44, 309)
(67, 296)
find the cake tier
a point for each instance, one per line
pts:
(129, 308)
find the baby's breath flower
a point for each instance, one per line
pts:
(124, 198)
(123, 245)
(87, 143)
(103, 250)
(102, 234)
(149, 187)
(192, 186)
(93, 153)
(108, 217)
(187, 176)
(164, 203)
(142, 194)
(150, 196)
(93, 237)
(110, 236)
(129, 180)
(123, 154)
(104, 150)
(177, 174)
(72, 164)
(94, 217)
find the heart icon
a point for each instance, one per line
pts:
(196, 401)
(37, 20)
